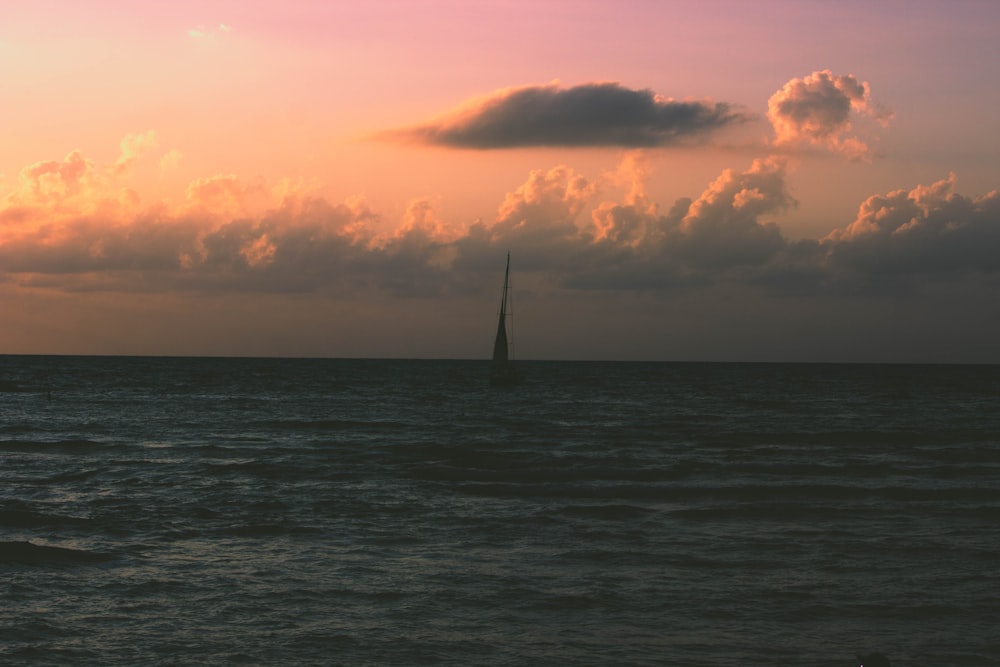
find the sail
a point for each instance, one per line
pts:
(502, 372)
(500, 345)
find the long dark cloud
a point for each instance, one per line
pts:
(595, 114)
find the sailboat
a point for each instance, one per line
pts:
(502, 372)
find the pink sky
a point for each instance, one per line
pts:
(727, 180)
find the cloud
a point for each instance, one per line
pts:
(221, 195)
(132, 147)
(927, 230)
(723, 227)
(68, 226)
(51, 181)
(594, 114)
(78, 184)
(816, 110)
(543, 208)
(721, 234)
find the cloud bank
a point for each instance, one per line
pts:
(69, 225)
(595, 114)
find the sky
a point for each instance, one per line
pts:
(795, 181)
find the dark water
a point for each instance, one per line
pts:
(234, 511)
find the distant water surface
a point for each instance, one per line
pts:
(360, 512)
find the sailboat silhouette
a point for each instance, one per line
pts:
(502, 371)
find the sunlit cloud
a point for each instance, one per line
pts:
(817, 110)
(70, 225)
(77, 184)
(625, 222)
(52, 181)
(222, 195)
(723, 234)
(725, 226)
(132, 146)
(593, 114)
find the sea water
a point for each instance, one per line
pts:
(164, 511)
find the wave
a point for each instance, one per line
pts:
(28, 553)
(18, 515)
(332, 424)
(269, 530)
(607, 512)
(68, 444)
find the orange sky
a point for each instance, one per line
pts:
(787, 181)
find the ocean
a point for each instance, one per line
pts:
(206, 511)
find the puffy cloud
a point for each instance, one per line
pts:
(303, 244)
(547, 204)
(222, 194)
(53, 180)
(720, 234)
(626, 223)
(723, 227)
(929, 229)
(594, 114)
(77, 185)
(133, 146)
(422, 226)
(421, 221)
(816, 110)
